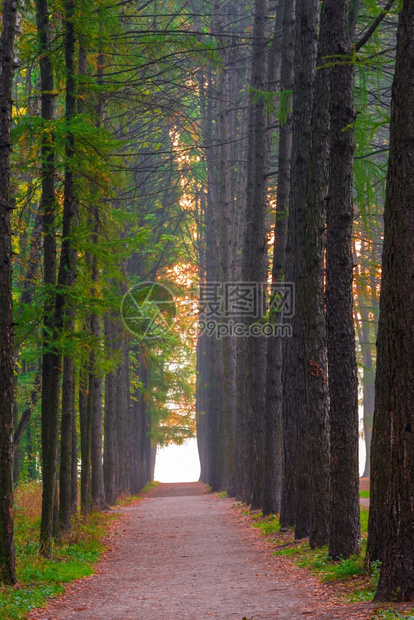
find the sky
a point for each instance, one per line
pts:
(181, 463)
(178, 463)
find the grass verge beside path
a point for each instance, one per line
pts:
(350, 579)
(73, 557)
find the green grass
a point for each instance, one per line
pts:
(269, 525)
(361, 581)
(40, 579)
(127, 500)
(355, 581)
(390, 614)
(364, 493)
(149, 486)
(364, 512)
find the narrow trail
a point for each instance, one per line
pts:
(182, 554)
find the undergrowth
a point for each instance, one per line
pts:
(127, 500)
(361, 581)
(390, 614)
(40, 579)
(355, 580)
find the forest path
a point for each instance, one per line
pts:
(183, 554)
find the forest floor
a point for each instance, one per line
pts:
(181, 553)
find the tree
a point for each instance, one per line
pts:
(343, 382)
(50, 387)
(273, 456)
(251, 361)
(7, 40)
(295, 507)
(394, 404)
(316, 428)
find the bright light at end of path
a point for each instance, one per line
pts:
(182, 464)
(178, 463)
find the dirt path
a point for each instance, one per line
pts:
(181, 554)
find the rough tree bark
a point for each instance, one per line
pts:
(315, 361)
(343, 382)
(65, 472)
(50, 362)
(123, 416)
(85, 437)
(273, 460)
(74, 471)
(295, 506)
(7, 556)
(141, 456)
(98, 489)
(212, 367)
(251, 362)
(394, 407)
(222, 224)
(110, 438)
(96, 385)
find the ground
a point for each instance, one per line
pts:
(181, 553)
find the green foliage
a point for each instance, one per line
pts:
(285, 98)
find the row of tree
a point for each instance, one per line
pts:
(93, 202)
(278, 421)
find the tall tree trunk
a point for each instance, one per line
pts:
(226, 347)
(96, 386)
(343, 382)
(141, 428)
(98, 490)
(110, 438)
(368, 380)
(272, 483)
(7, 557)
(251, 370)
(65, 472)
(66, 276)
(123, 416)
(221, 225)
(295, 509)
(213, 370)
(379, 459)
(394, 406)
(85, 437)
(50, 363)
(74, 472)
(315, 361)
